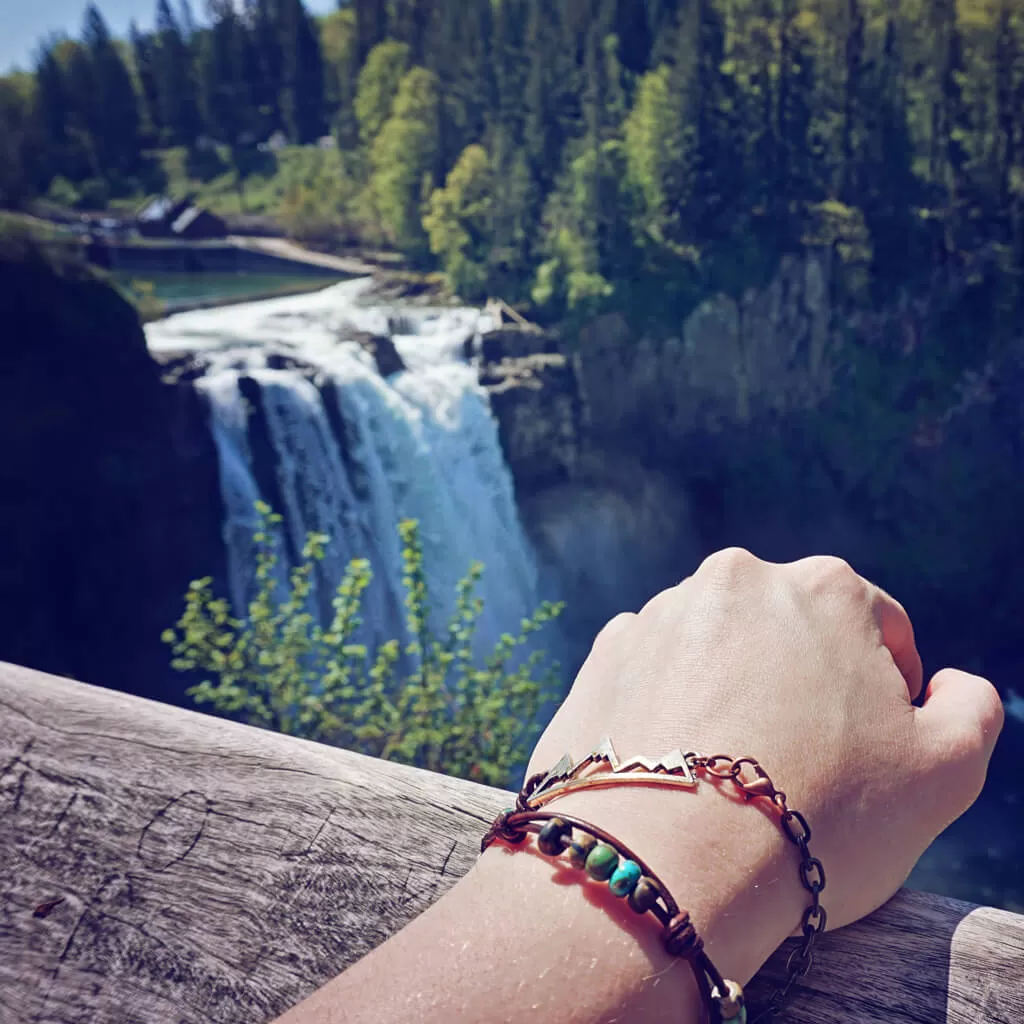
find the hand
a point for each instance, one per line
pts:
(811, 670)
(806, 667)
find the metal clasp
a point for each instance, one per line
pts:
(760, 785)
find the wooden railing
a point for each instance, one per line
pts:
(158, 865)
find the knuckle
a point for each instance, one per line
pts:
(833, 575)
(728, 564)
(614, 627)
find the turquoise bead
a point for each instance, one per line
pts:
(602, 862)
(623, 882)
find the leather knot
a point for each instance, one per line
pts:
(501, 829)
(680, 938)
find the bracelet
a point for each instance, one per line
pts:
(606, 859)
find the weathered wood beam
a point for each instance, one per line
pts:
(159, 865)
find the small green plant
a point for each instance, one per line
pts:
(279, 669)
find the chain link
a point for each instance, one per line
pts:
(812, 871)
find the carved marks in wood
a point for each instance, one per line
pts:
(182, 881)
(162, 867)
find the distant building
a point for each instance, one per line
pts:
(275, 143)
(178, 218)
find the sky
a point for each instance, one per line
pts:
(24, 22)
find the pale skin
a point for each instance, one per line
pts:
(806, 667)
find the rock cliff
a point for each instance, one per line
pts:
(792, 425)
(109, 502)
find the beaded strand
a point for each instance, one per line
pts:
(605, 859)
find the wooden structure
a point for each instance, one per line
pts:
(160, 865)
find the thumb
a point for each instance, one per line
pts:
(960, 721)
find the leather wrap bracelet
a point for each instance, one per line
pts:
(606, 859)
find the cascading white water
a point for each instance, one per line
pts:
(354, 453)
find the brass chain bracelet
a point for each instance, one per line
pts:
(812, 871)
(683, 770)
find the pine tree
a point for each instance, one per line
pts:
(889, 188)
(302, 95)
(635, 37)
(952, 127)
(222, 87)
(717, 158)
(60, 154)
(1006, 59)
(371, 25)
(175, 84)
(144, 57)
(267, 29)
(18, 152)
(462, 62)
(798, 172)
(852, 102)
(112, 112)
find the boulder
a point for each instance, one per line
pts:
(383, 351)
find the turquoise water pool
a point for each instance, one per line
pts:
(178, 289)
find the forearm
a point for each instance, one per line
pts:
(524, 934)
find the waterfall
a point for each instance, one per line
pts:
(302, 419)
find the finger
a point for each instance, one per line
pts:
(898, 636)
(961, 719)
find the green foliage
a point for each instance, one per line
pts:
(378, 86)
(403, 158)
(457, 222)
(630, 146)
(281, 670)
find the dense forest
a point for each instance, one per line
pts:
(572, 153)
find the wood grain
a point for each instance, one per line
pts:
(158, 865)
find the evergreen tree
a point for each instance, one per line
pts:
(175, 84)
(717, 160)
(1006, 60)
(265, 18)
(339, 43)
(952, 127)
(798, 168)
(222, 87)
(462, 62)
(889, 189)
(852, 101)
(18, 152)
(111, 108)
(371, 25)
(634, 32)
(549, 106)
(302, 96)
(60, 153)
(144, 57)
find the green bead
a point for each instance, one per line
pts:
(549, 839)
(740, 1018)
(623, 882)
(643, 896)
(602, 862)
(579, 850)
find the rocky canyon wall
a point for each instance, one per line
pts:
(109, 502)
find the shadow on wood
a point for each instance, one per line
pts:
(161, 865)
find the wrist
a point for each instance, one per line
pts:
(725, 860)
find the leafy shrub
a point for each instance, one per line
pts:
(279, 669)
